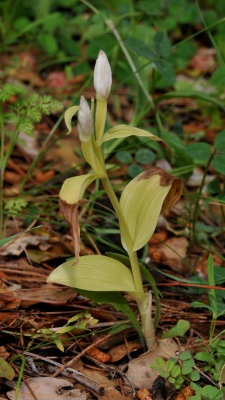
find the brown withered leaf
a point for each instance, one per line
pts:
(171, 253)
(46, 388)
(47, 293)
(139, 369)
(111, 393)
(70, 213)
(118, 352)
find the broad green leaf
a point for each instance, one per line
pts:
(6, 371)
(140, 47)
(48, 43)
(220, 141)
(199, 151)
(179, 329)
(166, 70)
(134, 170)
(176, 371)
(203, 356)
(121, 131)
(187, 366)
(73, 189)
(69, 114)
(194, 376)
(218, 77)
(117, 300)
(124, 156)
(142, 201)
(218, 164)
(144, 156)
(162, 44)
(185, 355)
(97, 273)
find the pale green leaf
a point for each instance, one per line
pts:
(58, 343)
(96, 273)
(69, 115)
(179, 329)
(142, 201)
(73, 189)
(6, 371)
(121, 131)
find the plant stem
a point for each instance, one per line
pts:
(196, 208)
(143, 300)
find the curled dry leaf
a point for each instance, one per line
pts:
(158, 237)
(171, 253)
(120, 351)
(144, 394)
(99, 355)
(185, 393)
(70, 213)
(16, 246)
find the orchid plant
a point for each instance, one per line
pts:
(137, 210)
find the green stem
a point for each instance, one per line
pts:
(143, 300)
(196, 208)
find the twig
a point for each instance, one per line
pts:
(82, 353)
(72, 373)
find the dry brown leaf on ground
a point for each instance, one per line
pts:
(139, 370)
(120, 351)
(185, 393)
(16, 246)
(203, 60)
(202, 266)
(48, 389)
(111, 393)
(171, 253)
(48, 293)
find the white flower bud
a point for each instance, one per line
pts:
(102, 76)
(85, 121)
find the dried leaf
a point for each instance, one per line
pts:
(46, 388)
(171, 253)
(139, 369)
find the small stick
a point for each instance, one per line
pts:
(82, 353)
(72, 373)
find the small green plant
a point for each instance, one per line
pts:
(215, 303)
(138, 209)
(183, 369)
(176, 370)
(16, 117)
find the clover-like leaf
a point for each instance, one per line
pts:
(142, 201)
(96, 273)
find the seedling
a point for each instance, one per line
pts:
(138, 209)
